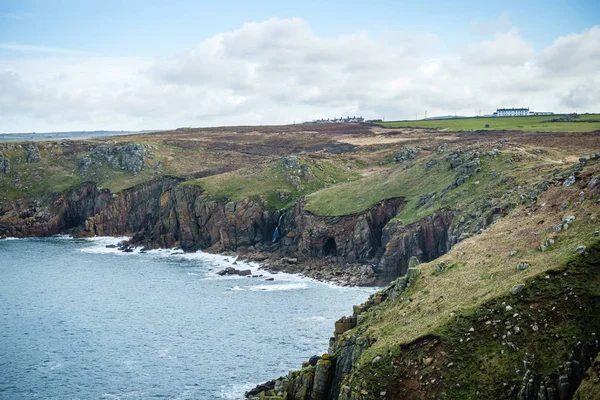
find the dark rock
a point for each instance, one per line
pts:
(313, 360)
(4, 164)
(427, 199)
(32, 153)
(83, 164)
(460, 180)
(233, 271)
(569, 181)
(406, 154)
(289, 162)
(228, 271)
(522, 266)
(517, 289)
(270, 385)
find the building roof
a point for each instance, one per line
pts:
(513, 109)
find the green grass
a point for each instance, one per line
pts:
(275, 186)
(354, 197)
(586, 123)
(52, 174)
(412, 182)
(448, 304)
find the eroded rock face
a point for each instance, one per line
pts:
(88, 211)
(406, 154)
(349, 238)
(32, 153)
(4, 164)
(426, 239)
(129, 157)
(31, 218)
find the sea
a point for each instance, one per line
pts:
(79, 320)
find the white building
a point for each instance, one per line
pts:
(511, 112)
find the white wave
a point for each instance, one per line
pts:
(106, 239)
(234, 392)
(271, 288)
(315, 318)
(62, 237)
(10, 238)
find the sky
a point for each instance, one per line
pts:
(133, 65)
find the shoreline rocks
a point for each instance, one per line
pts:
(234, 271)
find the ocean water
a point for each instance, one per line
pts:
(81, 321)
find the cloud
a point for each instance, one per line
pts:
(575, 53)
(501, 24)
(507, 48)
(279, 70)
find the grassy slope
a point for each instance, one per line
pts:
(590, 387)
(266, 182)
(57, 169)
(411, 182)
(534, 123)
(482, 270)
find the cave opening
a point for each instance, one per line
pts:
(329, 248)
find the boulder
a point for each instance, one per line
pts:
(569, 181)
(406, 154)
(233, 271)
(32, 153)
(227, 271)
(313, 360)
(579, 249)
(265, 387)
(517, 289)
(548, 243)
(522, 266)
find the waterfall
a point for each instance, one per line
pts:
(276, 231)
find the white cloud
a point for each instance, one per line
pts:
(501, 24)
(279, 71)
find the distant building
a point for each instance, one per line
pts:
(541, 113)
(340, 120)
(511, 112)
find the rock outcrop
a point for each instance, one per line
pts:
(349, 238)
(32, 153)
(4, 164)
(533, 351)
(87, 210)
(426, 239)
(129, 157)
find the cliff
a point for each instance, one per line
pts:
(499, 316)
(486, 241)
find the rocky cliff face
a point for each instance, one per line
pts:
(349, 238)
(530, 347)
(188, 220)
(162, 213)
(426, 239)
(87, 210)
(69, 210)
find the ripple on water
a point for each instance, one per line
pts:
(79, 317)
